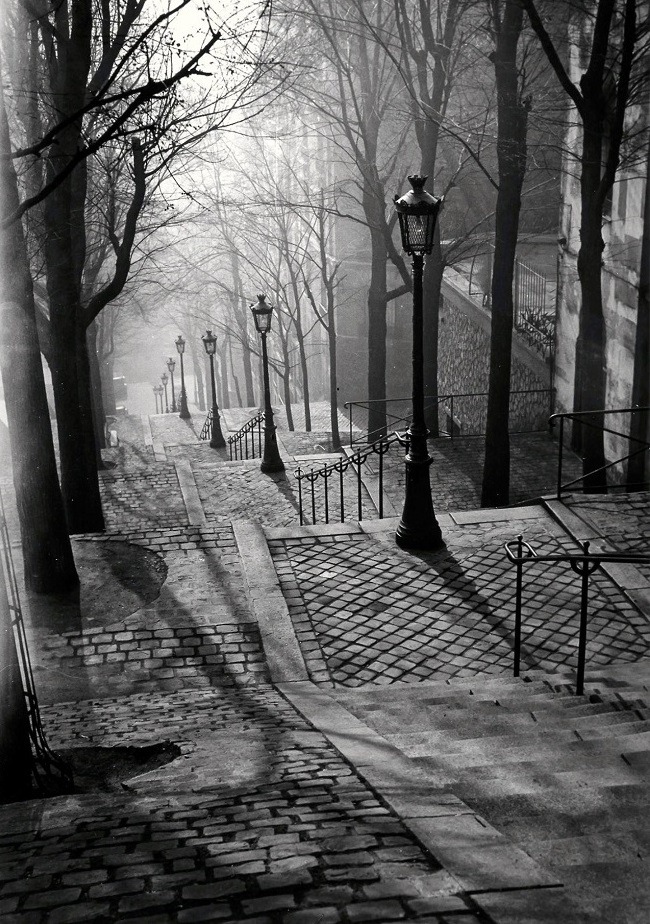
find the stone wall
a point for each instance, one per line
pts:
(464, 356)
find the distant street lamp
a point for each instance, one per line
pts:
(271, 461)
(182, 405)
(164, 378)
(171, 365)
(155, 394)
(417, 212)
(210, 344)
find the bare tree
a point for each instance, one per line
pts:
(616, 76)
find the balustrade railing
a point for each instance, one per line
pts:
(206, 430)
(629, 479)
(241, 444)
(354, 462)
(583, 563)
(463, 414)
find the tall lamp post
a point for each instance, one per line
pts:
(155, 394)
(182, 404)
(164, 378)
(210, 344)
(158, 389)
(271, 461)
(417, 212)
(171, 365)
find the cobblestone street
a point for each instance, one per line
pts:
(198, 684)
(368, 613)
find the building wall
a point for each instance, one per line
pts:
(463, 362)
(622, 235)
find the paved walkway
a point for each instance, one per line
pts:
(270, 797)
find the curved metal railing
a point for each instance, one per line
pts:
(354, 462)
(595, 420)
(243, 440)
(582, 563)
(51, 775)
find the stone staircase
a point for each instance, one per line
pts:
(565, 778)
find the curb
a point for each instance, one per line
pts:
(268, 605)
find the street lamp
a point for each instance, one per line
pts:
(159, 393)
(417, 212)
(271, 461)
(210, 344)
(182, 405)
(171, 365)
(164, 378)
(155, 394)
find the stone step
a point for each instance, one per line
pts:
(606, 731)
(577, 752)
(475, 723)
(441, 743)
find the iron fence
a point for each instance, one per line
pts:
(619, 477)
(241, 444)
(464, 414)
(583, 564)
(354, 462)
(206, 430)
(534, 318)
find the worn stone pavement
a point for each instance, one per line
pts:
(281, 804)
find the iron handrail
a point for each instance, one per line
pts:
(242, 436)
(582, 563)
(394, 420)
(378, 448)
(450, 398)
(51, 774)
(206, 430)
(585, 421)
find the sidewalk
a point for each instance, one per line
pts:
(207, 674)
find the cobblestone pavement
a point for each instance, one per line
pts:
(367, 612)
(170, 430)
(258, 820)
(623, 519)
(457, 470)
(142, 499)
(239, 490)
(194, 629)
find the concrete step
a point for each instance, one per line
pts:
(578, 753)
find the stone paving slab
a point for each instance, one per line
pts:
(365, 611)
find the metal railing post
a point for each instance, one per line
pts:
(340, 464)
(381, 482)
(582, 637)
(299, 474)
(359, 490)
(518, 588)
(313, 498)
(325, 473)
(559, 460)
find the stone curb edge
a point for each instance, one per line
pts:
(267, 603)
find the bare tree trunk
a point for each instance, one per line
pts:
(47, 553)
(432, 281)
(377, 300)
(333, 375)
(223, 367)
(638, 472)
(198, 376)
(589, 390)
(511, 154)
(96, 392)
